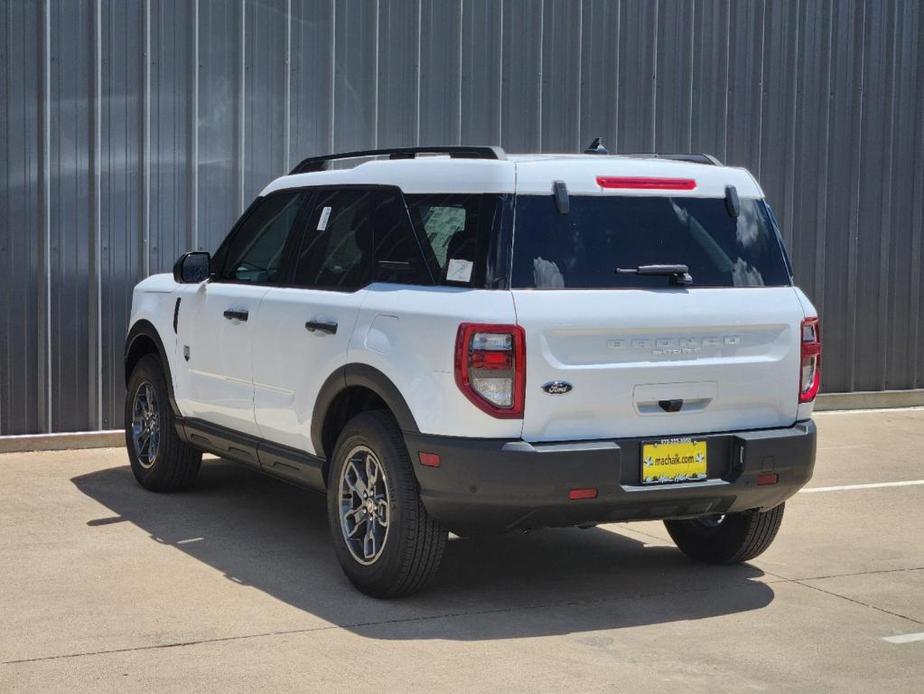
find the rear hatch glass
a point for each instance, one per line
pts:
(583, 248)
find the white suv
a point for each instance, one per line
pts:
(452, 339)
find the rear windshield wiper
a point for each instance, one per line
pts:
(679, 274)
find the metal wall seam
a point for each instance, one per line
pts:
(654, 78)
(194, 132)
(95, 352)
(46, 203)
(287, 91)
(146, 143)
(241, 106)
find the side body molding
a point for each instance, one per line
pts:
(358, 375)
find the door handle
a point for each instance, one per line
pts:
(314, 326)
(236, 314)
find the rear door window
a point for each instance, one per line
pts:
(335, 251)
(584, 248)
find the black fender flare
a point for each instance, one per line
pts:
(144, 328)
(351, 375)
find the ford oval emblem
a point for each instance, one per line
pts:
(557, 387)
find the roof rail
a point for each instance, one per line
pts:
(688, 156)
(454, 151)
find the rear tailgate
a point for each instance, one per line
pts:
(731, 355)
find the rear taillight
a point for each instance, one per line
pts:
(491, 367)
(810, 370)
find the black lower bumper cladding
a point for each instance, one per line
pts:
(512, 484)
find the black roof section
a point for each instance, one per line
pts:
(455, 151)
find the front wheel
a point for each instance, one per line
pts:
(727, 539)
(160, 460)
(386, 543)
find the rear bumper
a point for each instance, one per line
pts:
(511, 484)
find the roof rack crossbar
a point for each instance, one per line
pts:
(695, 157)
(455, 151)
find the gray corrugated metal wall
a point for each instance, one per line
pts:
(132, 130)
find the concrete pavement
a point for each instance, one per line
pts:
(234, 587)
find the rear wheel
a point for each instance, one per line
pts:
(726, 539)
(386, 543)
(160, 460)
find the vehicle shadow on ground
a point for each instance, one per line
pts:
(273, 537)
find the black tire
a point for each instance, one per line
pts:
(739, 537)
(413, 543)
(175, 464)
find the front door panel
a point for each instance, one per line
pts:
(214, 352)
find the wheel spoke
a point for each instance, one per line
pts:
(370, 545)
(356, 484)
(372, 473)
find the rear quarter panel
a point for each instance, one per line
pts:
(409, 333)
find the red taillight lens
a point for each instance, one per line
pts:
(645, 183)
(810, 370)
(490, 367)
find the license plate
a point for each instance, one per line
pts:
(673, 460)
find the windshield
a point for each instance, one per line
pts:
(583, 248)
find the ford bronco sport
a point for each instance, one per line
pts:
(453, 339)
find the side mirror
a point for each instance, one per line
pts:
(193, 267)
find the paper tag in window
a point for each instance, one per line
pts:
(322, 222)
(459, 270)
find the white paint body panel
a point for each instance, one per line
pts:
(215, 384)
(731, 354)
(291, 364)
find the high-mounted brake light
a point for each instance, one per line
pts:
(490, 366)
(810, 369)
(643, 183)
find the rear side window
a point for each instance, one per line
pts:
(583, 249)
(455, 228)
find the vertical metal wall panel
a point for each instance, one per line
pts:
(636, 77)
(132, 130)
(356, 85)
(841, 204)
(217, 120)
(70, 104)
(120, 250)
(561, 76)
(673, 83)
(22, 308)
(900, 199)
(600, 33)
(521, 75)
(170, 191)
(311, 79)
(916, 221)
(399, 72)
(482, 62)
(709, 94)
(264, 89)
(440, 72)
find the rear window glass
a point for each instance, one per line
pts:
(583, 249)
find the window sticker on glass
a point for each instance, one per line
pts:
(459, 270)
(322, 222)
